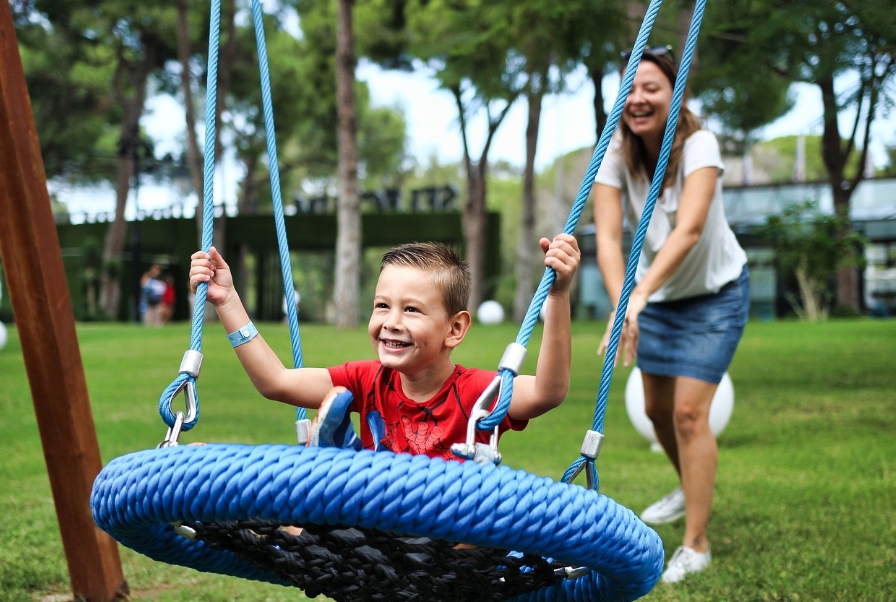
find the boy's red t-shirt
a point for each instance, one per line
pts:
(428, 428)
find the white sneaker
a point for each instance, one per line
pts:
(684, 561)
(668, 509)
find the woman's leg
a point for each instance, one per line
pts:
(698, 456)
(659, 404)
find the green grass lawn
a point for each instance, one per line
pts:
(805, 505)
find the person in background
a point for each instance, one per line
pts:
(166, 307)
(687, 312)
(151, 290)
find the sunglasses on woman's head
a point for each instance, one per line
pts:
(654, 50)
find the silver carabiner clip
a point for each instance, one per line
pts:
(173, 432)
(481, 453)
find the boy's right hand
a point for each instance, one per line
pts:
(211, 268)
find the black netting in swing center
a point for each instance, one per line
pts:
(360, 564)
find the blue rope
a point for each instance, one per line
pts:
(136, 497)
(541, 293)
(274, 170)
(208, 217)
(638, 240)
(208, 213)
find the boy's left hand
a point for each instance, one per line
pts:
(563, 255)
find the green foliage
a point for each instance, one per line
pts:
(812, 245)
(68, 79)
(382, 144)
(303, 89)
(890, 168)
(778, 157)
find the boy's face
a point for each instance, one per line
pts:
(409, 326)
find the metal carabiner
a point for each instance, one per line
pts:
(173, 432)
(192, 405)
(190, 365)
(481, 453)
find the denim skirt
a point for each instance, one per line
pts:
(694, 337)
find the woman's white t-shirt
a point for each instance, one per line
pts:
(717, 258)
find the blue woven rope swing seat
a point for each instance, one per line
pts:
(386, 526)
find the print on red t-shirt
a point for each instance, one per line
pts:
(403, 425)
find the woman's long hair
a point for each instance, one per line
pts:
(633, 148)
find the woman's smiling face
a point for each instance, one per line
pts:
(647, 106)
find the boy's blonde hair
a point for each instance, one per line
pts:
(447, 270)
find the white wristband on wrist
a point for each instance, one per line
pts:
(243, 335)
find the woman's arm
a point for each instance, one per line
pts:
(608, 233)
(696, 197)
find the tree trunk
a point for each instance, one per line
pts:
(812, 301)
(685, 16)
(526, 250)
(348, 238)
(129, 88)
(474, 215)
(474, 219)
(596, 72)
(835, 159)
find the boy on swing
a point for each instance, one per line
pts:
(413, 398)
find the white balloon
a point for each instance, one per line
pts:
(490, 312)
(719, 412)
(3, 336)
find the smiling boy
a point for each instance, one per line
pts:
(413, 398)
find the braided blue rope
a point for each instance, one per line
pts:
(183, 379)
(208, 216)
(276, 196)
(541, 293)
(638, 240)
(136, 498)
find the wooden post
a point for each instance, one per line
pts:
(29, 249)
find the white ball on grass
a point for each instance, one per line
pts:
(490, 313)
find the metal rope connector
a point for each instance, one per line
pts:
(191, 363)
(303, 431)
(592, 444)
(185, 531)
(590, 450)
(572, 573)
(513, 358)
(481, 453)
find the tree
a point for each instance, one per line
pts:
(348, 237)
(73, 111)
(128, 40)
(469, 47)
(136, 32)
(811, 245)
(552, 39)
(816, 42)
